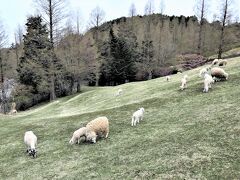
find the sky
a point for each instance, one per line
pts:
(15, 12)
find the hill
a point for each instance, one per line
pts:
(184, 135)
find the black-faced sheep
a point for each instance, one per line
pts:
(219, 73)
(137, 116)
(30, 139)
(168, 78)
(215, 62)
(77, 135)
(98, 127)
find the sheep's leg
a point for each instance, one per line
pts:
(133, 119)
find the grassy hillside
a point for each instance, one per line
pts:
(184, 135)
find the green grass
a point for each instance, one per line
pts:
(231, 53)
(184, 135)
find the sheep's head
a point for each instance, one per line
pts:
(91, 136)
(142, 109)
(71, 141)
(32, 152)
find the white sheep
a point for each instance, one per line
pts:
(219, 73)
(30, 139)
(13, 109)
(81, 132)
(203, 71)
(119, 92)
(222, 63)
(168, 78)
(137, 116)
(215, 62)
(98, 127)
(208, 80)
(184, 82)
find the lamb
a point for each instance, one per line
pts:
(30, 139)
(215, 62)
(219, 73)
(137, 116)
(81, 132)
(222, 63)
(208, 80)
(98, 127)
(13, 109)
(184, 82)
(119, 92)
(203, 71)
(168, 78)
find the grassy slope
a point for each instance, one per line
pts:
(184, 135)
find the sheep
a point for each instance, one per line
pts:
(184, 82)
(81, 132)
(215, 62)
(222, 63)
(119, 92)
(13, 109)
(137, 116)
(98, 127)
(219, 73)
(203, 71)
(208, 80)
(168, 78)
(30, 139)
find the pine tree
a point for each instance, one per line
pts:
(34, 64)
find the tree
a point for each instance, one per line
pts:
(225, 14)
(149, 7)
(53, 12)
(119, 67)
(34, 67)
(96, 18)
(162, 7)
(132, 10)
(201, 12)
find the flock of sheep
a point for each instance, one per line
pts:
(99, 127)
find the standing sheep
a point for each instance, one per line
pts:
(98, 127)
(119, 92)
(137, 116)
(184, 82)
(208, 80)
(13, 109)
(219, 73)
(222, 63)
(77, 135)
(168, 78)
(215, 62)
(30, 139)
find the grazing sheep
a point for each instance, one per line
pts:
(208, 80)
(222, 63)
(119, 92)
(215, 62)
(30, 139)
(137, 116)
(98, 127)
(168, 78)
(77, 135)
(184, 82)
(219, 73)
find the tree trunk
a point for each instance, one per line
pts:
(201, 28)
(220, 49)
(150, 75)
(78, 85)
(51, 22)
(52, 88)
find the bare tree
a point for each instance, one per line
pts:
(53, 12)
(96, 19)
(201, 12)
(3, 41)
(225, 15)
(162, 6)
(78, 20)
(132, 10)
(149, 7)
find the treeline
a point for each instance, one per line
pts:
(45, 63)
